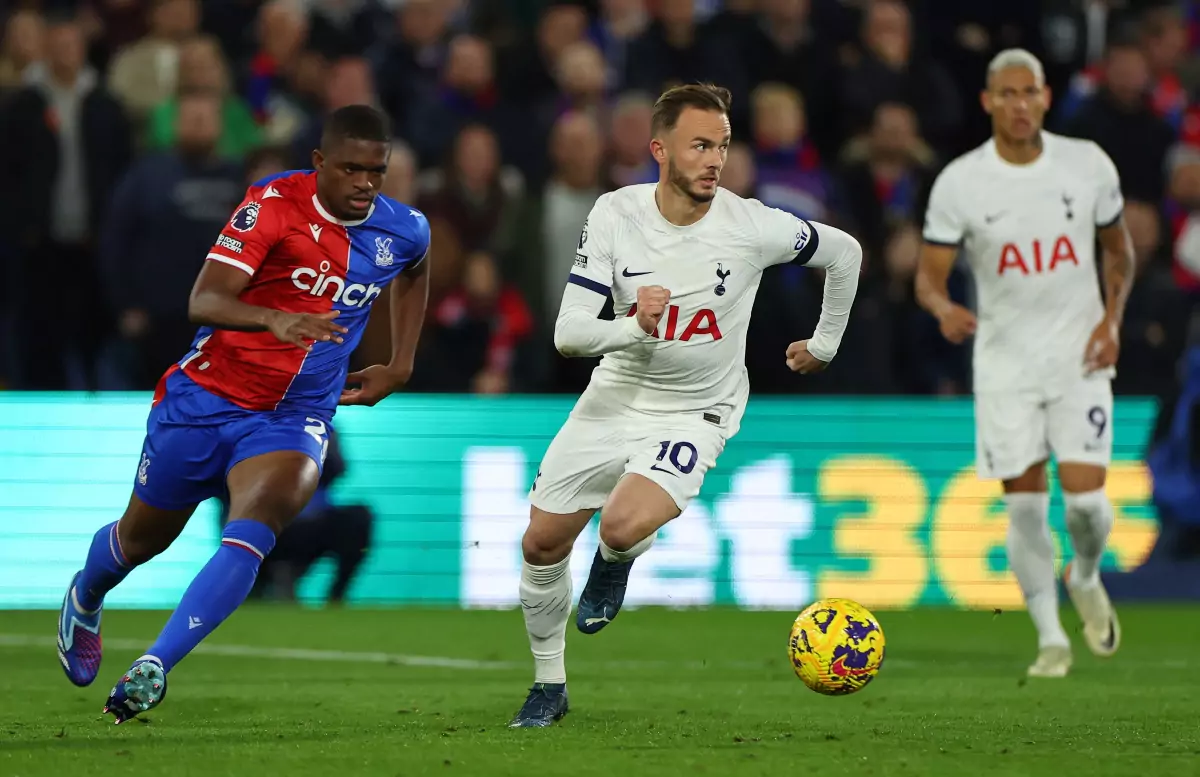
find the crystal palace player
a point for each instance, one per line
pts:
(682, 260)
(1027, 207)
(283, 301)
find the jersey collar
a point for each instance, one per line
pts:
(333, 220)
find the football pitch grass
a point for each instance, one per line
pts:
(278, 690)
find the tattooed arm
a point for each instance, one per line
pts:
(1119, 264)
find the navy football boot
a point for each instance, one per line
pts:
(603, 595)
(545, 705)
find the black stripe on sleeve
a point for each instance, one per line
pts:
(589, 284)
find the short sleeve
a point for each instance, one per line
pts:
(593, 266)
(944, 224)
(785, 238)
(1109, 200)
(249, 235)
(421, 238)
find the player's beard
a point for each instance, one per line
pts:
(685, 184)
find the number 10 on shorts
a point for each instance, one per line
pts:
(682, 456)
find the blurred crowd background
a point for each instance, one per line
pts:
(129, 130)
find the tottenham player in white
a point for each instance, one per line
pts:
(682, 260)
(1026, 209)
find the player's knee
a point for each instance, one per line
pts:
(542, 548)
(621, 530)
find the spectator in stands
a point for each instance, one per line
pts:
(145, 73)
(401, 181)
(408, 67)
(68, 142)
(475, 332)
(1164, 41)
(618, 23)
(346, 28)
(791, 176)
(281, 80)
(203, 70)
(782, 47)
(530, 72)
(163, 220)
(349, 82)
(262, 162)
(885, 175)
(887, 70)
(1154, 330)
(628, 158)
(476, 193)
(577, 148)
(469, 95)
(678, 48)
(740, 174)
(1121, 119)
(23, 45)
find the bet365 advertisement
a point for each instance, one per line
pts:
(876, 500)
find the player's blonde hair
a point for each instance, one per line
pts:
(1017, 58)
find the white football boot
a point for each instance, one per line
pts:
(1052, 661)
(1101, 628)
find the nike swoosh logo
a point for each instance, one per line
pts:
(990, 219)
(628, 274)
(657, 468)
(1112, 636)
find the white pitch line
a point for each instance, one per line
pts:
(286, 654)
(445, 662)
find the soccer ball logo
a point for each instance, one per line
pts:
(836, 646)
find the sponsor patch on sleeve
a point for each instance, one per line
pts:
(581, 261)
(225, 241)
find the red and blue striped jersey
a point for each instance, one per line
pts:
(301, 259)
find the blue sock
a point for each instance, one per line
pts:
(216, 592)
(106, 567)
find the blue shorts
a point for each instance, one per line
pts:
(194, 437)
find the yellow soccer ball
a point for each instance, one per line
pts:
(836, 646)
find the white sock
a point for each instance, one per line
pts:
(1031, 556)
(1089, 521)
(610, 555)
(546, 603)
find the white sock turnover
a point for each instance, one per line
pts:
(546, 604)
(1031, 556)
(610, 555)
(1089, 521)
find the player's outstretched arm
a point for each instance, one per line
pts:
(214, 302)
(840, 256)
(933, 273)
(409, 296)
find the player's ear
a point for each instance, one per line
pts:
(318, 159)
(1046, 96)
(658, 150)
(985, 99)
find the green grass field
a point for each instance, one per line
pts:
(414, 692)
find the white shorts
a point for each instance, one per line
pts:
(1015, 430)
(591, 453)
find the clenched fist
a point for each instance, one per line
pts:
(800, 360)
(651, 304)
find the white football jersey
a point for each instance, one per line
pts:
(695, 360)
(1028, 233)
